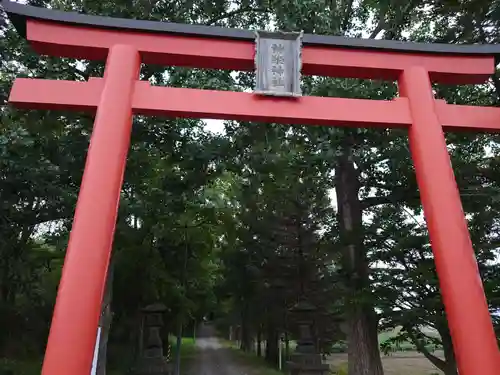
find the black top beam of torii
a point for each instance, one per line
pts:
(19, 13)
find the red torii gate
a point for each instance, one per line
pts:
(120, 94)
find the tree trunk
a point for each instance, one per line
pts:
(287, 346)
(272, 345)
(178, 349)
(259, 342)
(237, 335)
(105, 322)
(140, 338)
(362, 336)
(450, 365)
(246, 338)
(362, 340)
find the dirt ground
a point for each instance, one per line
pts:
(213, 359)
(401, 363)
(216, 359)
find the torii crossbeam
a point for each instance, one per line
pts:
(120, 94)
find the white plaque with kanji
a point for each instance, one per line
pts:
(278, 63)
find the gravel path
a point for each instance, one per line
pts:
(214, 358)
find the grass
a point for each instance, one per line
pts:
(34, 367)
(188, 351)
(25, 367)
(340, 369)
(15, 367)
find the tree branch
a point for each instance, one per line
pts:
(378, 29)
(81, 73)
(347, 15)
(397, 196)
(400, 18)
(381, 23)
(439, 363)
(235, 12)
(496, 83)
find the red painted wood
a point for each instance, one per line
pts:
(182, 102)
(469, 320)
(468, 118)
(90, 43)
(28, 93)
(71, 342)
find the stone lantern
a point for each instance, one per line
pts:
(306, 360)
(151, 360)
